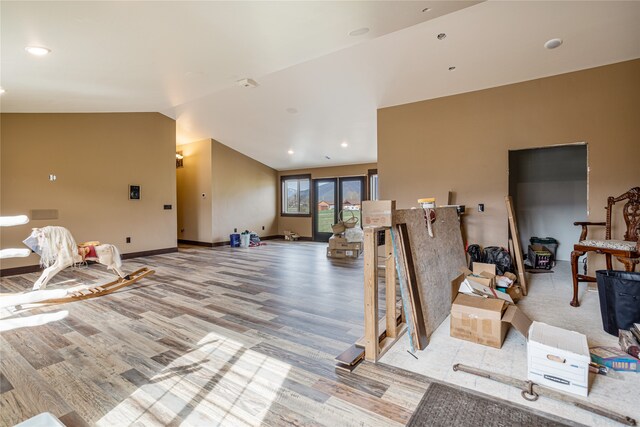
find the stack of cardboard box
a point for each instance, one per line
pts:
(339, 247)
(481, 313)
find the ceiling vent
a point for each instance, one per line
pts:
(247, 83)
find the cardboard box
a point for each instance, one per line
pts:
(558, 358)
(343, 253)
(378, 213)
(337, 242)
(483, 320)
(480, 286)
(485, 274)
(515, 292)
(476, 289)
(614, 358)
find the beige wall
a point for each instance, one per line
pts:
(95, 157)
(192, 181)
(461, 142)
(304, 225)
(244, 194)
(240, 193)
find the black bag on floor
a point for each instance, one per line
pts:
(475, 255)
(619, 299)
(500, 257)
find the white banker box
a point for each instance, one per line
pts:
(558, 358)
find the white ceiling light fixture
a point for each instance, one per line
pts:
(553, 43)
(359, 32)
(344, 144)
(290, 152)
(38, 50)
(452, 68)
(426, 9)
(441, 36)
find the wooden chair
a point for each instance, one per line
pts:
(626, 251)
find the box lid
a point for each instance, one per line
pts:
(517, 319)
(562, 339)
(488, 308)
(481, 267)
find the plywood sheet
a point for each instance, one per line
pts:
(436, 259)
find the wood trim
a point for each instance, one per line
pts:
(149, 253)
(36, 268)
(19, 270)
(225, 242)
(195, 243)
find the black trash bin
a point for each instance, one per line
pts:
(619, 299)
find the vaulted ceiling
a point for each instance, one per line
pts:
(318, 85)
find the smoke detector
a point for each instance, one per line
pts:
(247, 83)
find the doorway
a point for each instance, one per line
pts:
(332, 195)
(549, 190)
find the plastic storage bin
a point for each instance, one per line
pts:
(549, 243)
(234, 240)
(619, 299)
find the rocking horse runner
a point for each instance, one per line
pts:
(58, 250)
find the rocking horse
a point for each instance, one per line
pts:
(58, 250)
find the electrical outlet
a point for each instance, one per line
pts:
(168, 207)
(128, 239)
(263, 227)
(481, 207)
(235, 230)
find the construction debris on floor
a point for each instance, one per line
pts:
(346, 241)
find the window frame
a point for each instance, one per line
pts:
(285, 178)
(370, 174)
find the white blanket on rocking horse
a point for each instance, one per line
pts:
(58, 250)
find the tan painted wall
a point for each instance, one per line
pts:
(243, 194)
(461, 142)
(304, 225)
(193, 180)
(95, 158)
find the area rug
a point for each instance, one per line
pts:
(444, 405)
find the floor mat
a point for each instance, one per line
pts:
(444, 405)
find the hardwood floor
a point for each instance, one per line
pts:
(218, 336)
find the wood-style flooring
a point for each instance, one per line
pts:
(217, 336)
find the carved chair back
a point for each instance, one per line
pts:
(630, 212)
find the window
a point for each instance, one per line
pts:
(295, 195)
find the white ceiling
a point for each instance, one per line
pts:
(183, 58)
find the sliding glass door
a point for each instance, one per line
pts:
(332, 195)
(325, 198)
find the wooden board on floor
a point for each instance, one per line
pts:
(436, 260)
(517, 249)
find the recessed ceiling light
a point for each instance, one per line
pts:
(344, 145)
(452, 68)
(359, 32)
(553, 43)
(327, 157)
(37, 50)
(291, 110)
(441, 36)
(290, 151)
(426, 9)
